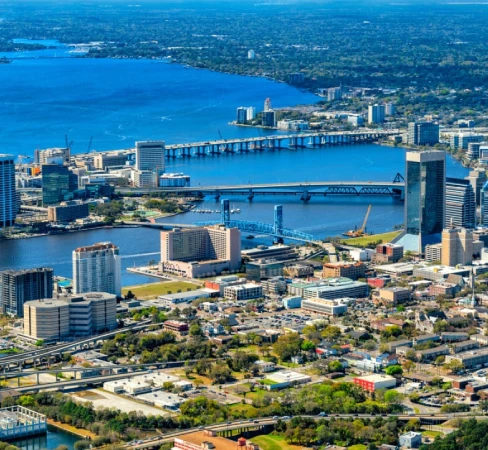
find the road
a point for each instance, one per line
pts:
(253, 423)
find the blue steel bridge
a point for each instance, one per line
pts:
(276, 229)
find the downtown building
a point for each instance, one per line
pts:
(96, 268)
(460, 203)
(457, 247)
(8, 196)
(20, 286)
(423, 133)
(425, 200)
(58, 184)
(200, 252)
(376, 114)
(68, 317)
(150, 163)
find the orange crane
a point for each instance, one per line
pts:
(360, 231)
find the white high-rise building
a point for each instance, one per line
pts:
(150, 160)
(8, 198)
(376, 113)
(251, 113)
(267, 105)
(96, 268)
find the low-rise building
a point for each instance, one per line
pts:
(274, 287)
(292, 302)
(388, 253)
(68, 211)
(161, 399)
(393, 295)
(411, 439)
(323, 306)
(265, 366)
(470, 359)
(285, 378)
(248, 291)
(344, 270)
(375, 382)
(336, 288)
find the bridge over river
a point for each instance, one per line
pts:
(305, 190)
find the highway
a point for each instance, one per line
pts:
(43, 352)
(261, 422)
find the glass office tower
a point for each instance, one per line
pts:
(425, 199)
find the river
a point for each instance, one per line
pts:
(50, 441)
(46, 95)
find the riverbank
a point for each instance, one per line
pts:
(80, 432)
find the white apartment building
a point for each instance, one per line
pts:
(150, 162)
(96, 268)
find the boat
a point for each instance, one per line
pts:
(238, 210)
(249, 236)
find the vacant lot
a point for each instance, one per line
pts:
(274, 442)
(365, 240)
(152, 290)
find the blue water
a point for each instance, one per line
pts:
(50, 441)
(119, 101)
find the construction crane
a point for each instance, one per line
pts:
(358, 232)
(220, 134)
(90, 144)
(69, 144)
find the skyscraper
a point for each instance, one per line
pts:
(96, 268)
(477, 178)
(484, 205)
(376, 113)
(8, 198)
(241, 116)
(460, 203)
(267, 104)
(20, 286)
(457, 246)
(423, 133)
(150, 161)
(57, 183)
(268, 118)
(425, 199)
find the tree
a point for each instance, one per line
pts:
(287, 346)
(393, 397)
(394, 370)
(331, 333)
(219, 374)
(307, 346)
(408, 365)
(335, 366)
(196, 330)
(454, 366)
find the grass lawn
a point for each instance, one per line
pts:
(152, 290)
(357, 447)
(363, 241)
(431, 434)
(274, 442)
(243, 410)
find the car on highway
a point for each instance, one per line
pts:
(286, 417)
(322, 414)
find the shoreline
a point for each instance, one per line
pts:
(80, 432)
